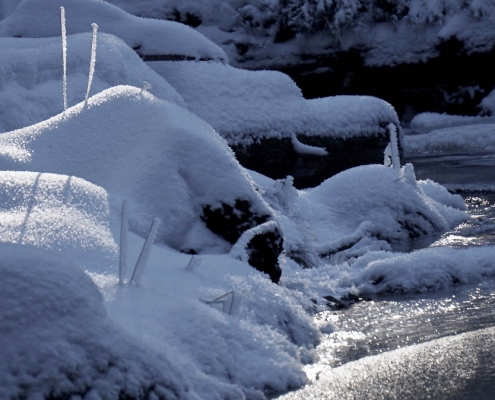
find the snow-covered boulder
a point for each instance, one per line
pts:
(57, 341)
(273, 129)
(359, 210)
(172, 40)
(167, 162)
(31, 73)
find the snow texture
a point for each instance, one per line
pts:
(57, 340)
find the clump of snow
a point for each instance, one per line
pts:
(31, 72)
(165, 160)
(259, 348)
(271, 104)
(147, 36)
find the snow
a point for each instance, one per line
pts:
(167, 162)
(68, 326)
(31, 87)
(148, 36)
(271, 105)
(475, 138)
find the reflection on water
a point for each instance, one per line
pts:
(480, 230)
(394, 322)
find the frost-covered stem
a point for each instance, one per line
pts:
(64, 55)
(92, 61)
(123, 242)
(394, 146)
(145, 252)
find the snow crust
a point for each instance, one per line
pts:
(244, 106)
(148, 36)
(31, 73)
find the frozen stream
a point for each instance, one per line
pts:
(437, 345)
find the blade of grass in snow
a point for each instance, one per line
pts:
(92, 60)
(145, 252)
(64, 54)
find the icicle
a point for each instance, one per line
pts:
(123, 243)
(394, 146)
(92, 61)
(64, 55)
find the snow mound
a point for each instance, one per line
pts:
(361, 210)
(393, 201)
(167, 162)
(244, 106)
(31, 76)
(147, 36)
(61, 213)
(58, 342)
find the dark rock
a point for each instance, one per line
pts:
(277, 158)
(263, 250)
(230, 221)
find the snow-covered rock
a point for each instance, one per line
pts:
(31, 73)
(146, 36)
(273, 129)
(167, 162)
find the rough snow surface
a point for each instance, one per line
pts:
(148, 36)
(57, 340)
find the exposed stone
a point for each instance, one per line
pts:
(230, 221)
(263, 250)
(277, 158)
